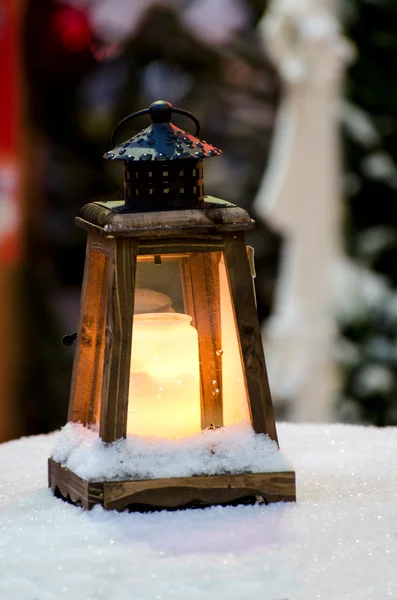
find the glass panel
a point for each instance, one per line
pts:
(235, 398)
(164, 397)
(186, 369)
(159, 285)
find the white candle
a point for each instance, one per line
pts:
(164, 396)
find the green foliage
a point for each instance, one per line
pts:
(370, 142)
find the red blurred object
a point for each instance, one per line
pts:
(107, 52)
(10, 131)
(72, 26)
(11, 254)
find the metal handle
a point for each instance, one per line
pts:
(160, 112)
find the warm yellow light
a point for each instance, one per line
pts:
(235, 399)
(164, 397)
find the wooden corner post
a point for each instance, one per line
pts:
(116, 370)
(86, 384)
(252, 354)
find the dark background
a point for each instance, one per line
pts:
(78, 87)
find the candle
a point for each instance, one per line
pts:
(164, 396)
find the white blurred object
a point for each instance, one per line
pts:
(357, 291)
(211, 21)
(359, 125)
(161, 80)
(115, 20)
(216, 22)
(380, 166)
(373, 379)
(10, 217)
(299, 196)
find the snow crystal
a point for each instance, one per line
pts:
(338, 542)
(235, 449)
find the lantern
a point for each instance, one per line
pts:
(168, 342)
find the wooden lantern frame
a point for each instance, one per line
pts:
(105, 335)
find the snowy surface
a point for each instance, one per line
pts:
(225, 450)
(339, 542)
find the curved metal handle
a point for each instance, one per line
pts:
(186, 113)
(123, 121)
(160, 112)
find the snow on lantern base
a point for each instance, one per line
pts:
(221, 466)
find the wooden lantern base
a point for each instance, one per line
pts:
(171, 494)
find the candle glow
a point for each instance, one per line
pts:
(164, 396)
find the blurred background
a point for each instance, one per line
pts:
(71, 70)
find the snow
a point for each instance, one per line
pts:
(338, 542)
(234, 449)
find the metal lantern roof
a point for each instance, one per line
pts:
(161, 141)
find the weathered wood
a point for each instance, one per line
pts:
(95, 494)
(205, 299)
(114, 406)
(68, 484)
(170, 257)
(187, 290)
(172, 493)
(199, 491)
(104, 245)
(83, 224)
(240, 280)
(160, 224)
(71, 487)
(180, 245)
(86, 381)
